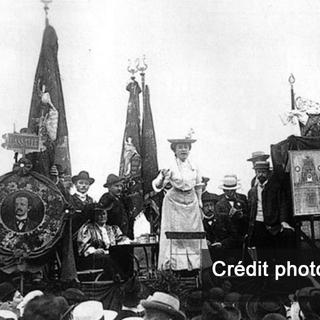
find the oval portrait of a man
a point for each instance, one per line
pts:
(22, 211)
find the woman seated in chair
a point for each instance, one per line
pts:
(94, 240)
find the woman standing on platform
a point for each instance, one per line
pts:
(180, 209)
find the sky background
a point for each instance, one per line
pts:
(220, 67)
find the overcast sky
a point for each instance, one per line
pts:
(218, 66)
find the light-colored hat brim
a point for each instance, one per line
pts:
(109, 314)
(230, 188)
(182, 140)
(178, 315)
(262, 157)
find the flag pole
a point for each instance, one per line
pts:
(46, 9)
(142, 67)
(292, 80)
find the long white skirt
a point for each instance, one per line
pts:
(180, 212)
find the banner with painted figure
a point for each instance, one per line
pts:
(47, 116)
(130, 162)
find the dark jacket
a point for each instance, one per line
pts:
(79, 217)
(28, 225)
(120, 213)
(274, 205)
(230, 226)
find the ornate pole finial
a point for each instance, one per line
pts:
(46, 8)
(132, 68)
(141, 65)
(292, 79)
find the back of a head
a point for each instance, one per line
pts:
(274, 316)
(233, 312)
(213, 310)
(46, 307)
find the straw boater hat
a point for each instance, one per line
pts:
(92, 310)
(166, 303)
(230, 182)
(83, 175)
(258, 156)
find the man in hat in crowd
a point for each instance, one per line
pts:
(80, 199)
(119, 215)
(131, 296)
(162, 306)
(231, 220)
(269, 229)
(257, 156)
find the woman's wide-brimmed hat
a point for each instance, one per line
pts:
(182, 140)
(230, 182)
(83, 175)
(258, 156)
(166, 303)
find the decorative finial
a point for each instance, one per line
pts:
(292, 79)
(46, 8)
(132, 68)
(141, 65)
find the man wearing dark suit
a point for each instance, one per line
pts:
(269, 228)
(257, 156)
(80, 199)
(231, 215)
(119, 215)
(21, 221)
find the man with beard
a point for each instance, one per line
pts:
(257, 156)
(269, 229)
(119, 215)
(21, 221)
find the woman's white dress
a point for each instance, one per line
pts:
(180, 212)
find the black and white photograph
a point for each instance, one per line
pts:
(160, 159)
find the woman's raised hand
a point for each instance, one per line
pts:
(165, 173)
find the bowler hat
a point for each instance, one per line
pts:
(262, 165)
(230, 182)
(83, 175)
(258, 156)
(112, 179)
(166, 303)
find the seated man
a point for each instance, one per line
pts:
(95, 239)
(231, 221)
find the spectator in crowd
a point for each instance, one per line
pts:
(92, 310)
(257, 156)
(269, 229)
(45, 307)
(131, 295)
(162, 306)
(231, 221)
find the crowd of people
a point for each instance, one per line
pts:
(218, 302)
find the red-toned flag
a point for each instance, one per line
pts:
(47, 116)
(130, 162)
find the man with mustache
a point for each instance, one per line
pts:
(80, 199)
(269, 229)
(21, 221)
